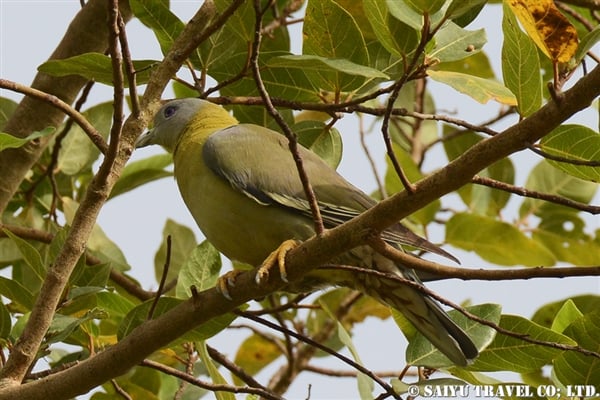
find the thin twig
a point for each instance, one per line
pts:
(189, 368)
(471, 316)
(234, 368)
(88, 128)
(447, 272)
(349, 374)
(47, 372)
(521, 191)
(129, 68)
(118, 90)
(120, 391)
(565, 160)
(163, 279)
(319, 346)
(363, 143)
(291, 136)
(213, 387)
(398, 85)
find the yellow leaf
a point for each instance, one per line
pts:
(550, 30)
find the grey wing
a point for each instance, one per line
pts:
(257, 162)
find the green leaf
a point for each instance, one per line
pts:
(421, 352)
(9, 252)
(455, 43)
(481, 90)
(394, 35)
(546, 179)
(508, 353)
(94, 275)
(327, 73)
(7, 108)
(480, 199)
(30, 254)
(255, 353)
(477, 65)
(403, 133)
(140, 172)
(115, 304)
(426, 6)
(16, 293)
(200, 270)
(213, 372)
(463, 12)
(231, 43)
(520, 65)
(96, 67)
(63, 326)
(332, 33)
(325, 142)
(288, 83)
(562, 231)
(586, 43)
(411, 170)
(77, 152)
(5, 323)
(495, 241)
(403, 12)
(574, 142)
(139, 315)
(317, 63)
(157, 16)
(98, 243)
(565, 316)
(574, 368)
(8, 141)
(183, 241)
(546, 314)
(365, 384)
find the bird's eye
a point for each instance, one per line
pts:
(169, 111)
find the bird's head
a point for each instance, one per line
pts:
(173, 119)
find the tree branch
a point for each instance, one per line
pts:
(25, 350)
(563, 201)
(213, 387)
(86, 33)
(89, 129)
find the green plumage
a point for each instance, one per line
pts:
(241, 185)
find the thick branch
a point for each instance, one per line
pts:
(25, 350)
(87, 32)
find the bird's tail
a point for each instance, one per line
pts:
(426, 315)
(421, 310)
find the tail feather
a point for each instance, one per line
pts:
(422, 311)
(429, 319)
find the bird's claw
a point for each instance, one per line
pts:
(276, 257)
(227, 281)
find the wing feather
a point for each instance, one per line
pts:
(233, 154)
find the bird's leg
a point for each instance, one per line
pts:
(226, 281)
(276, 257)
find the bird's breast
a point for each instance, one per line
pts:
(237, 225)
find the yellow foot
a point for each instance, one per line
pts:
(278, 256)
(226, 281)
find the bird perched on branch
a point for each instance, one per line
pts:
(241, 185)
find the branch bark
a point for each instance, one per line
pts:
(25, 350)
(88, 32)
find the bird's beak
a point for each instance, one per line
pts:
(145, 139)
